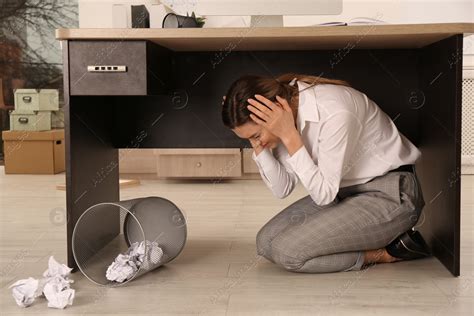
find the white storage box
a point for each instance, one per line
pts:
(36, 99)
(30, 120)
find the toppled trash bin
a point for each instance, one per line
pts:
(116, 242)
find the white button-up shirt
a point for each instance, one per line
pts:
(347, 140)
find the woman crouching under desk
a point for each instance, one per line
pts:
(359, 170)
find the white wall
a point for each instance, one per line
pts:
(401, 12)
(398, 11)
(97, 13)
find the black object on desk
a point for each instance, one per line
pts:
(172, 20)
(140, 17)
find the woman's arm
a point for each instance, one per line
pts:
(339, 137)
(280, 180)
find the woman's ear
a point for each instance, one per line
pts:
(275, 100)
(283, 103)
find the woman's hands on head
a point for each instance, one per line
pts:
(277, 118)
(257, 145)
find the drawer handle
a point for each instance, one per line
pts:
(23, 120)
(198, 164)
(27, 99)
(106, 68)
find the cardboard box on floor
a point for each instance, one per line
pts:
(31, 152)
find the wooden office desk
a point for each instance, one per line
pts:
(170, 97)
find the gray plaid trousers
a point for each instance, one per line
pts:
(306, 237)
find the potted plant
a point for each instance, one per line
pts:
(199, 20)
(173, 20)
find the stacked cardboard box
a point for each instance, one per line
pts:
(32, 152)
(31, 146)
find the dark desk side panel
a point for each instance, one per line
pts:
(440, 166)
(92, 164)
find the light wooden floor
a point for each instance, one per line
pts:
(218, 272)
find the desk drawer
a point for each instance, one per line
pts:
(248, 164)
(118, 68)
(199, 162)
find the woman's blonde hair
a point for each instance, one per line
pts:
(234, 109)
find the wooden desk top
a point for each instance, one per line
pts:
(280, 38)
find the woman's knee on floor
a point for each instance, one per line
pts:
(265, 248)
(287, 254)
(263, 243)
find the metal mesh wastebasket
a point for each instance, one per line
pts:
(106, 230)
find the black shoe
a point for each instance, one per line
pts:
(408, 246)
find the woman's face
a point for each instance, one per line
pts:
(251, 130)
